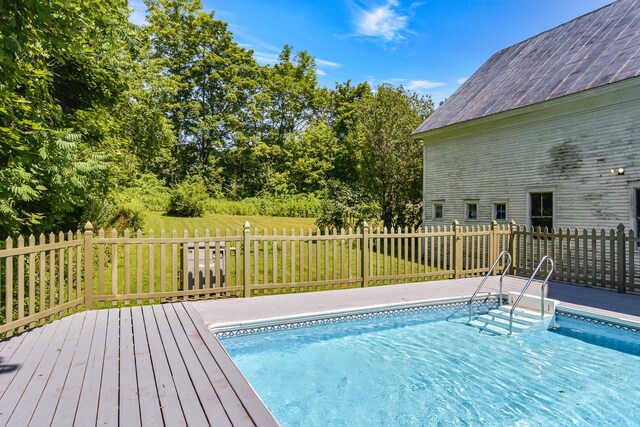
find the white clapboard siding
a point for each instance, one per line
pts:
(567, 146)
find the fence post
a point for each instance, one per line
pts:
(246, 250)
(493, 245)
(457, 250)
(512, 246)
(621, 259)
(88, 266)
(365, 255)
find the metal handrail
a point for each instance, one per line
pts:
(548, 259)
(504, 272)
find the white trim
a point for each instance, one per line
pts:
(218, 327)
(424, 184)
(633, 189)
(575, 103)
(495, 210)
(467, 203)
(433, 210)
(551, 190)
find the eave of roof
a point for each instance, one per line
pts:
(596, 49)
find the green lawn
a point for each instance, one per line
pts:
(300, 261)
(157, 221)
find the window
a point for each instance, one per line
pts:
(541, 214)
(438, 209)
(472, 211)
(500, 211)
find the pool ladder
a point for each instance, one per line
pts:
(498, 319)
(549, 261)
(504, 272)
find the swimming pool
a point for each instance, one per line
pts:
(424, 366)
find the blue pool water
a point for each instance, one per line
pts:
(429, 368)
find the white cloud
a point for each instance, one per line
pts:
(423, 84)
(265, 58)
(462, 80)
(381, 20)
(326, 63)
(320, 72)
(139, 12)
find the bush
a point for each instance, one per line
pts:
(297, 206)
(188, 199)
(107, 215)
(146, 192)
(344, 207)
(126, 218)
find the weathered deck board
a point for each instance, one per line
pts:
(254, 407)
(150, 413)
(186, 391)
(46, 406)
(90, 395)
(167, 392)
(153, 365)
(225, 392)
(70, 393)
(18, 349)
(129, 399)
(27, 396)
(108, 399)
(19, 379)
(215, 412)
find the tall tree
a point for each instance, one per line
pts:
(62, 64)
(310, 158)
(391, 163)
(344, 100)
(294, 99)
(212, 80)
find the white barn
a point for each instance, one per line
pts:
(546, 132)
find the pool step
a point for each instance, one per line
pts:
(496, 321)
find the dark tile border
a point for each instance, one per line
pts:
(352, 317)
(600, 322)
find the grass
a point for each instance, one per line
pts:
(158, 221)
(309, 263)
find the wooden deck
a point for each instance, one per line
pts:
(150, 366)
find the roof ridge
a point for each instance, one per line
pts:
(563, 24)
(592, 50)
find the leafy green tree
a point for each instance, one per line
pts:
(344, 100)
(344, 206)
(147, 138)
(391, 163)
(310, 158)
(62, 65)
(211, 80)
(294, 99)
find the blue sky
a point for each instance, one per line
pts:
(428, 46)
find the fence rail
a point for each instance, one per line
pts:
(46, 278)
(597, 258)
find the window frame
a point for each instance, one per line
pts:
(434, 204)
(495, 210)
(467, 204)
(530, 217)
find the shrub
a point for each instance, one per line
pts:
(105, 214)
(188, 199)
(146, 192)
(126, 218)
(344, 207)
(296, 206)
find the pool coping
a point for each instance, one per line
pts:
(255, 326)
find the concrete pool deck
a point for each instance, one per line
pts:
(601, 302)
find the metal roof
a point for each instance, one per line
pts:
(593, 50)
